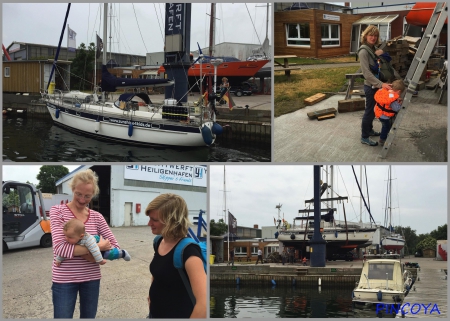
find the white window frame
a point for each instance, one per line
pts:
(7, 72)
(298, 36)
(255, 250)
(329, 35)
(239, 250)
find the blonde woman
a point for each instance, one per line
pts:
(371, 38)
(79, 273)
(168, 296)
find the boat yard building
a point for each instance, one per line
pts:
(322, 30)
(29, 69)
(126, 190)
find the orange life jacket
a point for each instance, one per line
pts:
(383, 100)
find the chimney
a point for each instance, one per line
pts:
(347, 4)
(255, 226)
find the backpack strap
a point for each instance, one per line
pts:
(178, 263)
(369, 50)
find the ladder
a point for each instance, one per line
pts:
(417, 67)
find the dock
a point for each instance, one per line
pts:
(430, 289)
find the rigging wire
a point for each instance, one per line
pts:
(253, 24)
(362, 194)
(137, 22)
(159, 22)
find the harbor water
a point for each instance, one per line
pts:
(240, 301)
(37, 139)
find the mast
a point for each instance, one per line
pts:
(390, 198)
(110, 35)
(360, 199)
(226, 213)
(212, 29)
(105, 36)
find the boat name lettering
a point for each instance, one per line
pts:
(127, 122)
(408, 308)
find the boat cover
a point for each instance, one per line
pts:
(130, 96)
(376, 271)
(110, 82)
(329, 217)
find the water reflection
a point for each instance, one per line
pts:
(37, 139)
(282, 302)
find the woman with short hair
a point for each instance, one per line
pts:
(168, 295)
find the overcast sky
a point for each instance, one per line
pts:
(41, 23)
(24, 173)
(419, 194)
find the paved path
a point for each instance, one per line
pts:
(431, 289)
(422, 136)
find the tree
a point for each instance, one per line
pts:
(48, 175)
(410, 238)
(219, 228)
(440, 233)
(82, 67)
(427, 243)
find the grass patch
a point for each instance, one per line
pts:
(289, 95)
(316, 61)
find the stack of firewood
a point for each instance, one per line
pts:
(402, 50)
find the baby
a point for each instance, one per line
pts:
(387, 104)
(75, 233)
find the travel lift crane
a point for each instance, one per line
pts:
(418, 64)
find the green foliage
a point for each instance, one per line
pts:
(82, 67)
(410, 238)
(427, 243)
(219, 228)
(48, 175)
(440, 233)
(11, 199)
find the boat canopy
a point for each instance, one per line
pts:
(129, 96)
(110, 83)
(329, 217)
(379, 271)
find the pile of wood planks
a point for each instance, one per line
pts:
(402, 51)
(314, 99)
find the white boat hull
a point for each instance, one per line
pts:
(116, 127)
(370, 296)
(392, 243)
(352, 240)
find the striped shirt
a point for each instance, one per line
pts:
(75, 268)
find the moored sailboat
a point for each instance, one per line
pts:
(133, 118)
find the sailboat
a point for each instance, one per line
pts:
(133, 118)
(392, 242)
(235, 70)
(340, 235)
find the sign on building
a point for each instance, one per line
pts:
(193, 175)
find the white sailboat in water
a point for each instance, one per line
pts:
(133, 118)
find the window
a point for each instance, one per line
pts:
(298, 35)
(381, 271)
(255, 250)
(240, 250)
(330, 35)
(7, 72)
